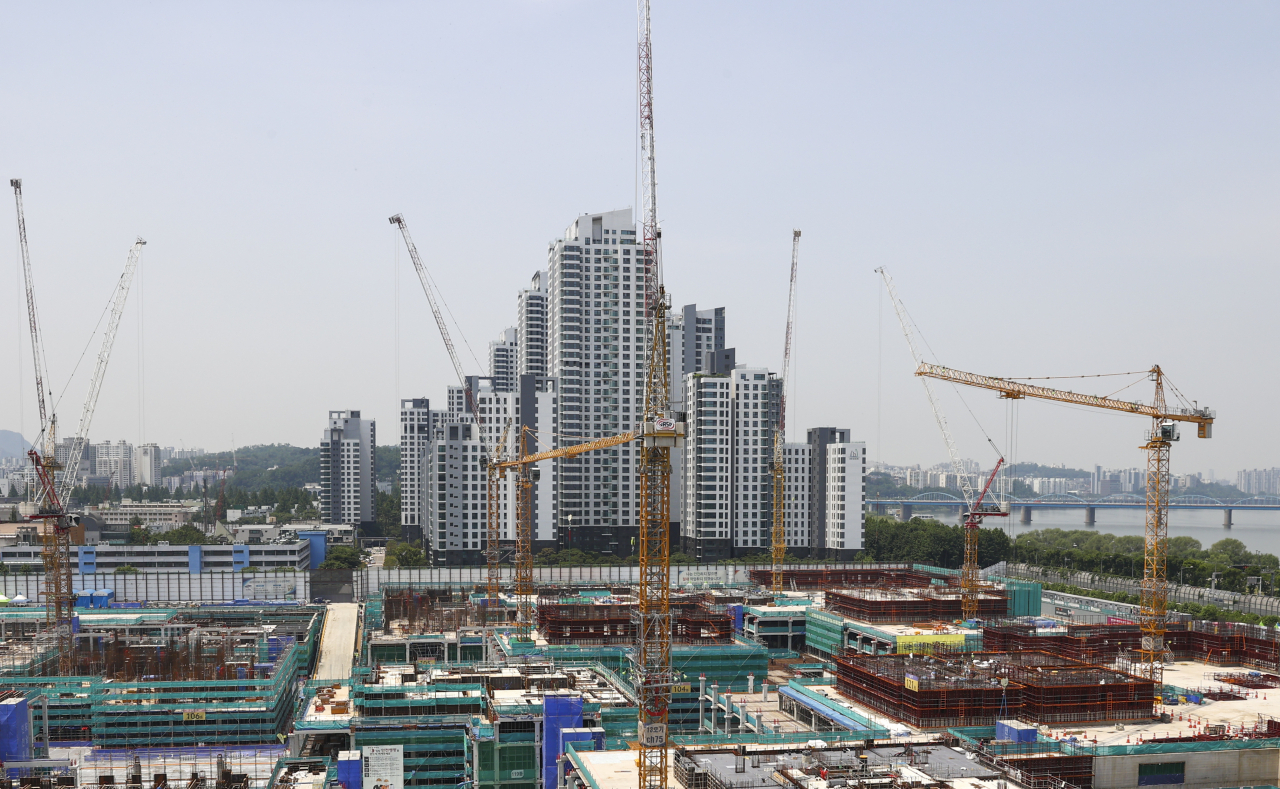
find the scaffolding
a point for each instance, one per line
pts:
(976, 689)
(908, 604)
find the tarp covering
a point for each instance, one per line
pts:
(558, 713)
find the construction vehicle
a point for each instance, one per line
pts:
(780, 434)
(1159, 439)
(969, 582)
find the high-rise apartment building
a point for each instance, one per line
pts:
(727, 489)
(819, 439)
(454, 477)
(419, 426)
(698, 334)
(88, 459)
(844, 495)
(596, 342)
(115, 463)
(596, 351)
(348, 470)
(796, 460)
(148, 465)
(531, 327)
(502, 360)
(1259, 481)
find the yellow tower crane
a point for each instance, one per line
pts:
(522, 465)
(1164, 431)
(779, 435)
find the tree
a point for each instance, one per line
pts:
(139, 536)
(13, 515)
(341, 558)
(186, 534)
(387, 513)
(13, 491)
(135, 522)
(126, 569)
(404, 554)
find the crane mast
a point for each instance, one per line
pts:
(969, 569)
(56, 533)
(660, 433)
(118, 299)
(33, 318)
(904, 320)
(524, 527)
(493, 480)
(779, 436)
(1153, 614)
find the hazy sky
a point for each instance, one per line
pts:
(1057, 188)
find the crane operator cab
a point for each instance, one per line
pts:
(1169, 430)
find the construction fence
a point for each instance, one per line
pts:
(172, 587)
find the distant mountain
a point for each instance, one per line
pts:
(12, 445)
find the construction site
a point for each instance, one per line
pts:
(439, 681)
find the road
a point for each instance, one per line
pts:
(339, 642)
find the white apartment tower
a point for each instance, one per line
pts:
(596, 343)
(347, 470)
(531, 327)
(148, 465)
(727, 489)
(454, 478)
(845, 494)
(796, 459)
(115, 462)
(502, 360)
(419, 426)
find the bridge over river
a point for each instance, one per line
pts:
(1062, 501)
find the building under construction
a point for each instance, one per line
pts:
(217, 675)
(976, 689)
(913, 604)
(612, 620)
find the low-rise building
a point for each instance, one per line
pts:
(153, 514)
(165, 558)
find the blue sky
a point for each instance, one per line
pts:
(1057, 188)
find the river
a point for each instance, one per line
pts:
(1258, 530)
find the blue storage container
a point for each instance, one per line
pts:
(1015, 731)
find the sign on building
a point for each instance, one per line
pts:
(383, 767)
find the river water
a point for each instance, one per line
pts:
(1258, 530)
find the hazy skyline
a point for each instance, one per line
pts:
(1056, 188)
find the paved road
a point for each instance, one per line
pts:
(339, 642)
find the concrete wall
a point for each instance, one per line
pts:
(1258, 766)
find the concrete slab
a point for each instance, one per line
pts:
(618, 769)
(338, 643)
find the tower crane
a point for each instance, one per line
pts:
(974, 509)
(33, 318)
(660, 433)
(52, 496)
(494, 480)
(522, 465)
(779, 435)
(1160, 438)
